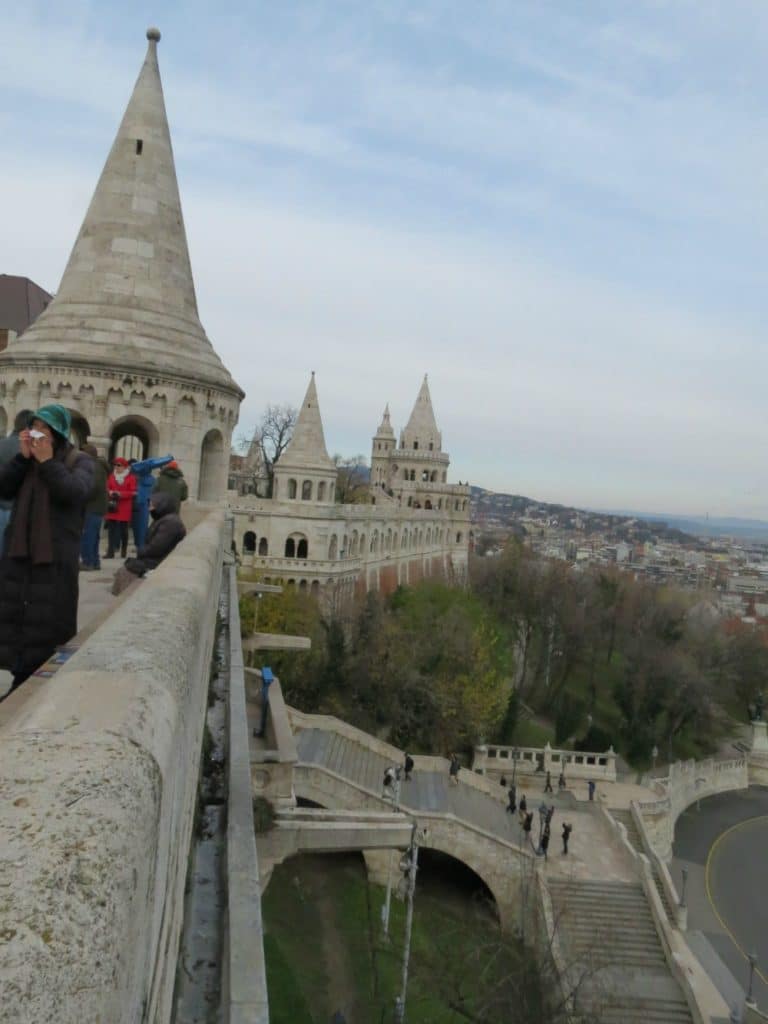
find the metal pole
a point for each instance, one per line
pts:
(685, 880)
(392, 853)
(515, 752)
(412, 869)
(752, 957)
(523, 880)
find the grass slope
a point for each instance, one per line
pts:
(324, 951)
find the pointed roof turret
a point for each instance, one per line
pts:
(385, 427)
(422, 426)
(127, 298)
(307, 448)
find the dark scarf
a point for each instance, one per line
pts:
(32, 536)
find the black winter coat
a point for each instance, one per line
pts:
(164, 534)
(38, 603)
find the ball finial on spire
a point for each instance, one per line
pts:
(153, 35)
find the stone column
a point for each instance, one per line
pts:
(759, 738)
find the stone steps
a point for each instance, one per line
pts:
(633, 835)
(626, 819)
(644, 1011)
(607, 928)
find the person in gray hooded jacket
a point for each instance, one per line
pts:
(166, 531)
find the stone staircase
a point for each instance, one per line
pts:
(626, 819)
(605, 927)
(427, 791)
(607, 933)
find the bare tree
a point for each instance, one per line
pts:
(270, 439)
(351, 480)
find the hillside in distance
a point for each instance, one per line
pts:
(492, 510)
(710, 526)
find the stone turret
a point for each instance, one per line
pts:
(305, 471)
(121, 345)
(421, 433)
(419, 462)
(383, 445)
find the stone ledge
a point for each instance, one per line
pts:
(106, 756)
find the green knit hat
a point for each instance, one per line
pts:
(57, 418)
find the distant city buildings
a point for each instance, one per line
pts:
(731, 573)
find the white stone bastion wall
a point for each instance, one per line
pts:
(687, 782)
(98, 784)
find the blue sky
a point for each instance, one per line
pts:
(555, 209)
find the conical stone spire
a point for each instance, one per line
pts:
(307, 448)
(385, 427)
(127, 298)
(421, 429)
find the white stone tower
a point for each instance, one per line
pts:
(121, 345)
(305, 471)
(383, 445)
(419, 462)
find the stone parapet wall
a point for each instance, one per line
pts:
(422, 762)
(687, 782)
(98, 783)
(495, 760)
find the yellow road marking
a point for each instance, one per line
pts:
(726, 929)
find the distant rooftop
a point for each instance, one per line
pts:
(21, 302)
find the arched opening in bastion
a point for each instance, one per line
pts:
(211, 456)
(451, 879)
(249, 542)
(132, 437)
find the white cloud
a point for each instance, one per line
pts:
(524, 220)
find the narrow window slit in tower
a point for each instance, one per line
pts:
(139, 146)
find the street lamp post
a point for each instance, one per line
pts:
(411, 869)
(752, 957)
(388, 897)
(685, 881)
(515, 754)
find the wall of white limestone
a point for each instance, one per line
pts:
(98, 783)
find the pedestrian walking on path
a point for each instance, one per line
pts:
(528, 825)
(408, 766)
(503, 781)
(548, 783)
(389, 781)
(592, 787)
(453, 769)
(567, 829)
(512, 798)
(561, 781)
(545, 843)
(523, 807)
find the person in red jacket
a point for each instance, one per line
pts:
(121, 490)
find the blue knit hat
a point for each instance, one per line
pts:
(57, 418)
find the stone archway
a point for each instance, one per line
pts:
(211, 460)
(133, 437)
